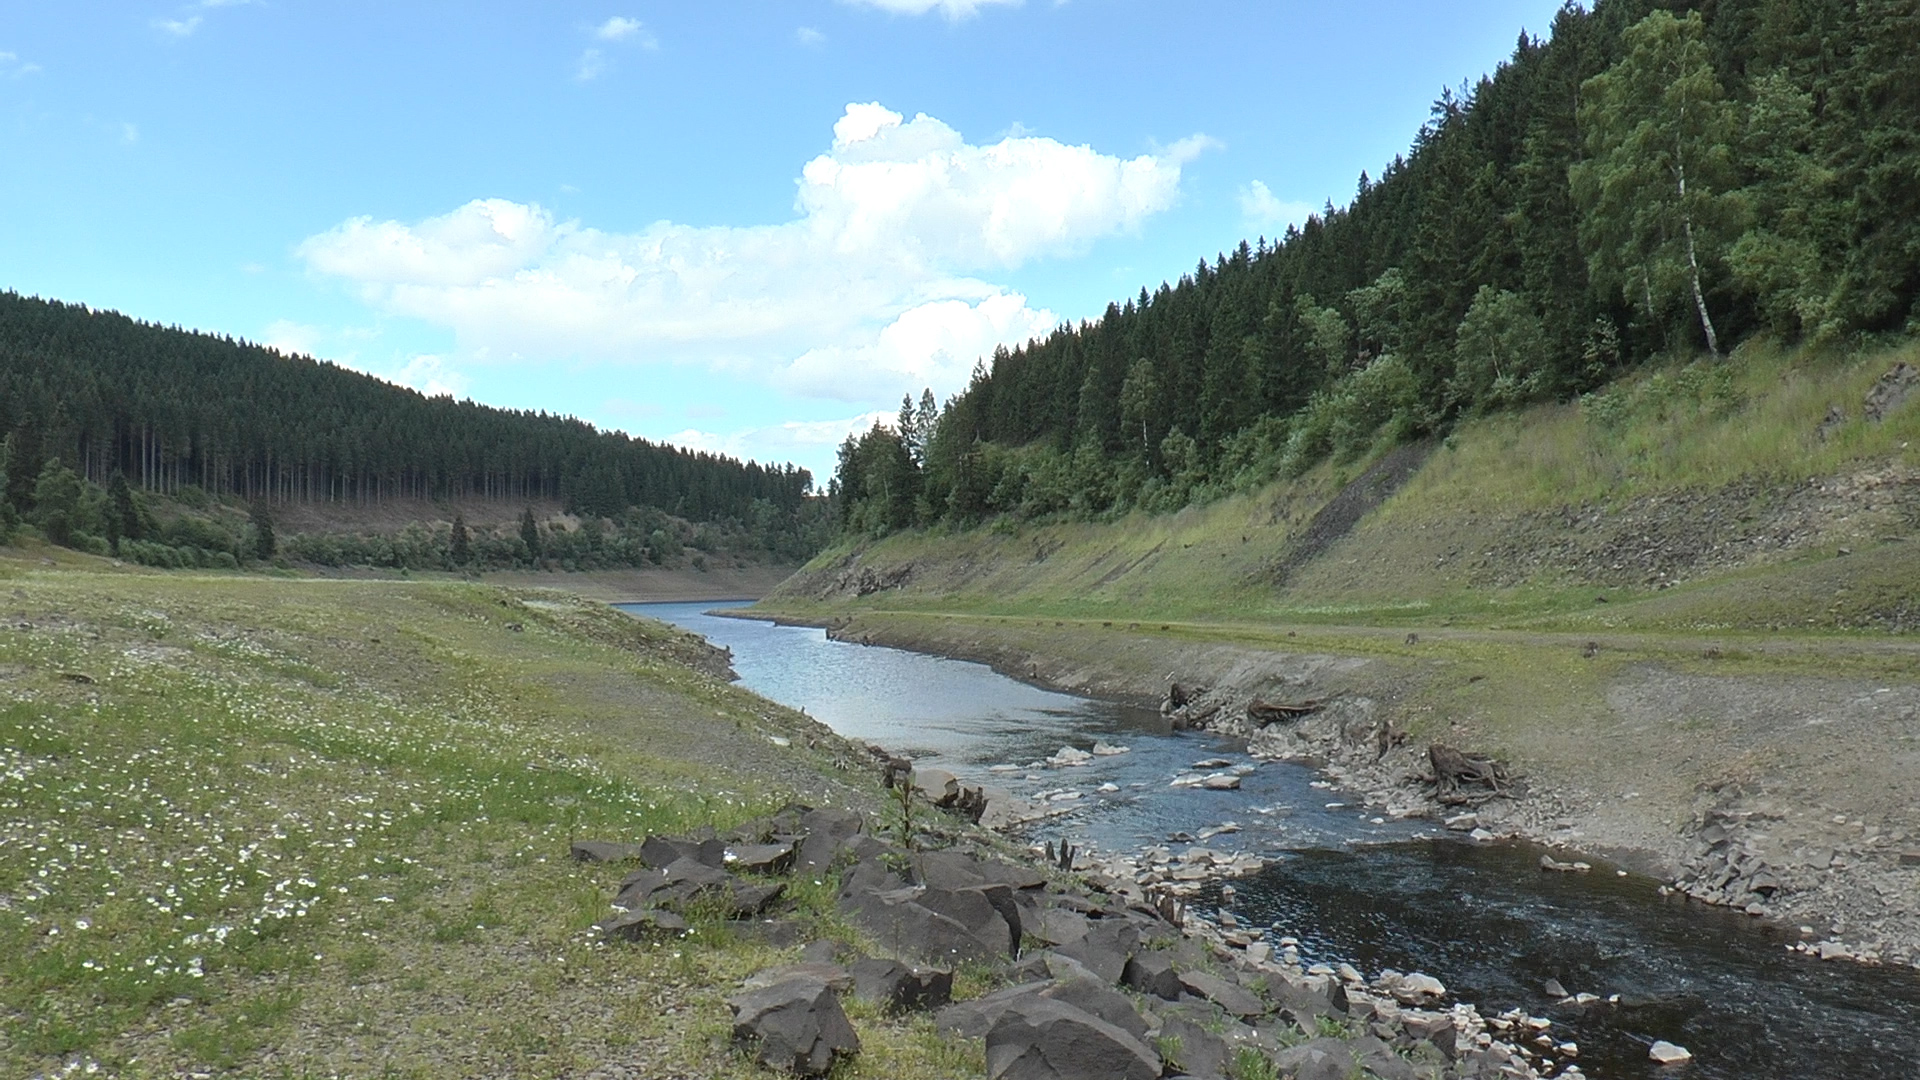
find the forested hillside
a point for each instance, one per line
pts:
(1654, 179)
(169, 412)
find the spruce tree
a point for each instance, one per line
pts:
(265, 544)
(530, 534)
(459, 547)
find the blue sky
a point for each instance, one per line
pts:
(740, 226)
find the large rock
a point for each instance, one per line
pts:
(661, 852)
(1319, 1059)
(1193, 1049)
(899, 987)
(1099, 999)
(899, 920)
(674, 886)
(1040, 1039)
(643, 924)
(940, 787)
(1666, 1053)
(825, 831)
(1235, 999)
(973, 1019)
(1056, 926)
(957, 870)
(775, 858)
(1378, 1059)
(1109, 944)
(1150, 971)
(796, 1026)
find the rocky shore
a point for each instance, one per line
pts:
(1080, 970)
(1821, 840)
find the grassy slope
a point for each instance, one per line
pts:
(297, 828)
(1746, 433)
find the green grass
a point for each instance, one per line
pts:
(292, 828)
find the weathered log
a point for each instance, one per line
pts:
(971, 804)
(1265, 712)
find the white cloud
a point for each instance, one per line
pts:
(292, 338)
(129, 134)
(621, 28)
(430, 375)
(952, 9)
(591, 65)
(178, 28)
(872, 286)
(12, 67)
(807, 441)
(1263, 210)
(808, 36)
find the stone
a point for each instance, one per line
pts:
(1101, 749)
(1213, 763)
(759, 858)
(1069, 756)
(1318, 1059)
(746, 900)
(642, 924)
(1415, 988)
(1910, 858)
(971, 927)
(1463, 822)
(972, 1019)
(1089, 995)
(826, 830)
(1665, 1053)
(1106, 948)
(795, 1026)
(604, 851)
(660, 852)
(1221, 782)
(1554, 990)
(987, 911)
(1150, 971)
(1372, 1053)
(1191, 1048)
(901, 988)
(1235, 999)
(1058, 927)
(1040, 1039)
(941, 787)
(676, 885)
(837, 978)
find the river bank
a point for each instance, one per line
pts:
(1775, 777)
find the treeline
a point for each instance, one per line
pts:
(168, 410)
(1652, 179)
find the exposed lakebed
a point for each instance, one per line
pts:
(1482, 918)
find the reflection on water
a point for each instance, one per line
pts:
(1483, 919)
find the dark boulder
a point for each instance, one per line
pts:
(1109, 944)
(1100, 999)
(643, 924)
(973, 1019)
(661, 852)
(825, 831)
(796, 1026)
(1150, 971)
(1319, 1059)
(1039, 1039)
(901, 988)
(1235, 999)
(776, 858)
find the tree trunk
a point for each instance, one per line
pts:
(1693, 262)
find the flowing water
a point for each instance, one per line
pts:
(1482, 918)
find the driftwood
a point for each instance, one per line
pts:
(1062, 858)
(896, 769)
(1266, 712)
(1455, 770)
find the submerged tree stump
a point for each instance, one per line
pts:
(1455, 771)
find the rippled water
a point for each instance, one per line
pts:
(1482, 918)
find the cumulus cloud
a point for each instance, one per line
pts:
(188, 21)
(808, 36)
(794, 440)
(617, 30)
(952, 9)
(1265, 211)
(877, 280)
(621, 28)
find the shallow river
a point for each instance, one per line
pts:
(1481, 918)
